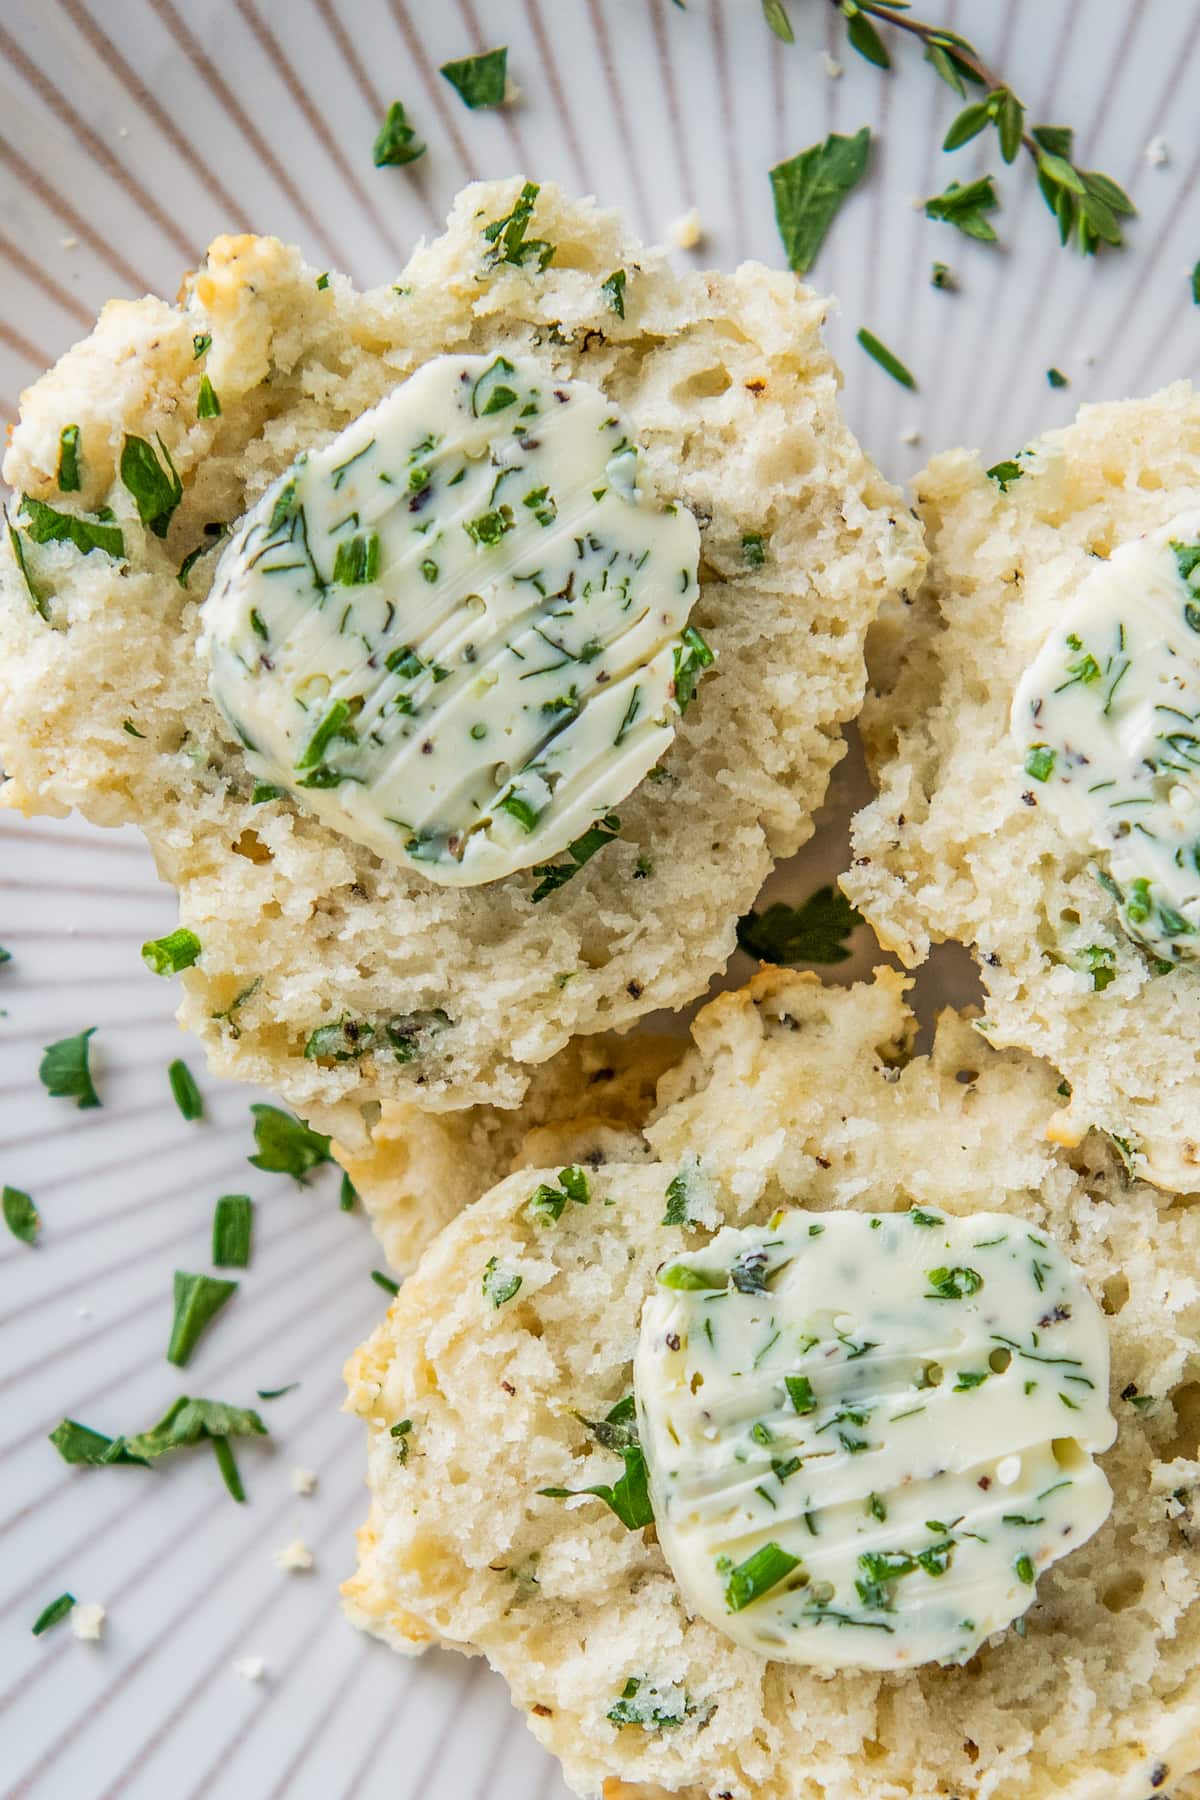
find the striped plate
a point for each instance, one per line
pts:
(132, 131)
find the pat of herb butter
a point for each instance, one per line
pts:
(868, 1434)
(459, 632)
(1106, 724)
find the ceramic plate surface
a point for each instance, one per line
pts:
(131, 132)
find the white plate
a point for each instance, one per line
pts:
(132, 131)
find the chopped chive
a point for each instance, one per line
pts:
(207, 404)
(223, 1451)
(198, 1299)
(187, 1094)
(168, 955)
(233, 1228)
(276, 1393)
(53, 1614)
(800, 1393)
(748, 1581)
(68, 460)
(347, 1194)
(385, 1282)
(886, 359)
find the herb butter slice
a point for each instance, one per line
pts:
(868, 1435)
(459, 632)
(1106, 720)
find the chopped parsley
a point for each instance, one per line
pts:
(614, 292)
(183, 1086)
(814, 932)
(1040, 760)
(69, 481)
(1056, 378)
(400, 1433)
(186, 1421)
(198, 1299)
(507, 235)
(347, 1194)
(653, 1708)
(20, 1215)
(479, 80)
(173, 953)
(500, 1284)
(748, 1581)
(385, 1282)
(552, 876)
(37, 598)
(65, 1070)
(53, 1614)
(232, 1231)
(548, 1202)
(1005, 473)
(809, 189)
(46, 525)
(322, 282)
(692, 657)
(628, 1497)
(754, 550)
(887, 359)
(953, 1284)
(1025, 1570)
(678, 1197)
(286, 1145)
(201, 344)
(207, 404)
(156, 490)
(396, 142)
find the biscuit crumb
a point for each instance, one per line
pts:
(250, 1668)
(303, 1481)
(687, 232)
(87, 1621)
(294, 1558)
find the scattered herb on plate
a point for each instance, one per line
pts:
(809, 190)
(396, 142)
(21, 1215)
(183, 1086)
(479, 80)
(65, 1070)
(198, 1299)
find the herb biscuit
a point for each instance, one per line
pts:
(1031, 735)
(507, 1361)
(324, 971)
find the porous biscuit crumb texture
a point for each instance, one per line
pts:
(733, 397)
(956, 845)
(793, 1094)
(586, 1104)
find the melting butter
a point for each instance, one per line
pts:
(459, 631)
(867, 1435)
(1107, 723)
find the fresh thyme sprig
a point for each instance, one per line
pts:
(1087, 205)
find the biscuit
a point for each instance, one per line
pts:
(957, 845)
(104, 704)
(794, 1093)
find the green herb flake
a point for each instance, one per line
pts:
(1056, 378)
(357, 560)
(53, 1614)
(80, 1446)
(264, 791)
(201, 345)
(1040, 760)
(396, 142)
(343, 1040)
(69, 481)
(692, 656)
(924, 1219)
(1025, 1570)
(748, 1581)
(500, 1284)
(682, 1278)
(286, 1145)
(614, 292)
(277, 1393)
(156, 489)
(207, 404)
(322, 281)
(37, 598)
(336, 724)
(800, 1393)
(942, 276)
(173, 953)
(65, 1070)
(20, 1215)
(552, 876)
(198, 1299)
(886, 359)
(754, 550)
(628, 1497)
(507, 238)
(810, 189)
(46, 525)
(479, 80)
(966, 207)
(640, 1703)
(953, 1284)
(385, 1282)
(1005, 473)
(183, 1086)
(548, 1202)
(347, 1194)
(232, 1231)
(814, 932)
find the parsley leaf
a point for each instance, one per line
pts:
(813, 932)
(65, 1072)
(156, 490)
(169, 955)
(286, 1145)
(500, 1284)
(507, 235)
(887, 359)
(37, 598)
(479, 80)
(965, 206)
(809, 190)
(68, 460)
(183, 1086)
(614, 292)
(1005, 473)
(548, 1202)
(21, 1215)
(581, 850)
(79, 1444)
(781, 25)
(692, 656)
(628, 1497)
(641, 1701)
(198, 1299)
(53, 1614)
(953, 1284)
(396, 142)
(46, 525)
(232, 1231)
